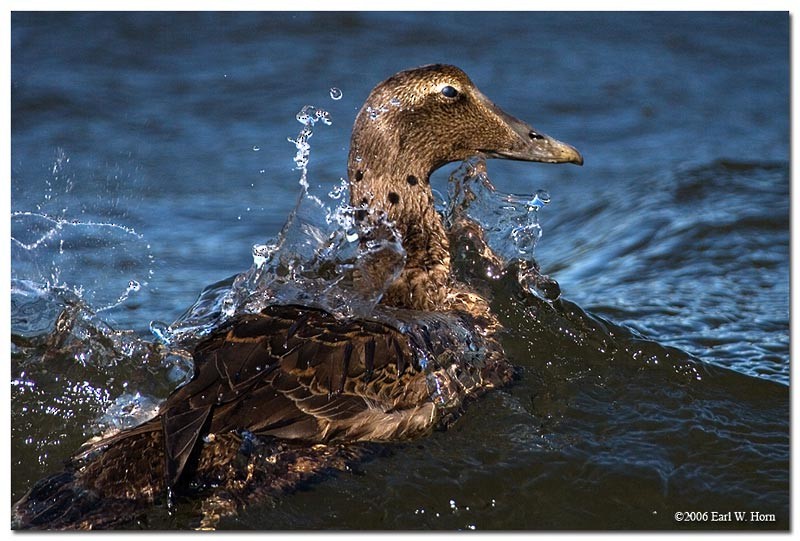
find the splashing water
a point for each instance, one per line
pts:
(328, 254)
(509, 222)
(68, 363)
(127, 411)
(52, 251)
(342, 263)
(495, 231)
(342, 259)
(69, 367)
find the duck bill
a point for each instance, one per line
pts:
(544, 148)
(534, 146)
(528, 144)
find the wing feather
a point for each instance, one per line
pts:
(288, 372)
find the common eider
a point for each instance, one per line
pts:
(281, 395)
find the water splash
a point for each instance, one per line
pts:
(50, 252)
(308, 117)
(72, 372)
(127, 411)
(69, 364)
(328, 254)
(342, 259)
(493, 231)
(509, 222)
(375, 112)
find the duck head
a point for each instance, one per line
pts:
(420, 119)
(411, 124)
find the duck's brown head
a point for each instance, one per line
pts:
(412, 123)
(420, 119)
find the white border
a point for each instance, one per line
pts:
(360, 5)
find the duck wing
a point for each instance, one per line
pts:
(298, 373)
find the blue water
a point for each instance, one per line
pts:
(167, 134)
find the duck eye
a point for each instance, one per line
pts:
(449, 92)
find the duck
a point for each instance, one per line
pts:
(280, 396)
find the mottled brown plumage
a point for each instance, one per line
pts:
(281, 395)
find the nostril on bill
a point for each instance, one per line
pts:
(534, 135)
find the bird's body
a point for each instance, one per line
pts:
(281, 395)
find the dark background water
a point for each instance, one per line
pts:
(677, 226)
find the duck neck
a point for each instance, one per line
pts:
(401, 188)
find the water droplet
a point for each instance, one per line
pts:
(324, 116)
(540, 199)
(256, 148)
(544, 196)
(336, 94)
(338, 190)
(262, 252)
(161, 331)
(303, 117)
(375, 113)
